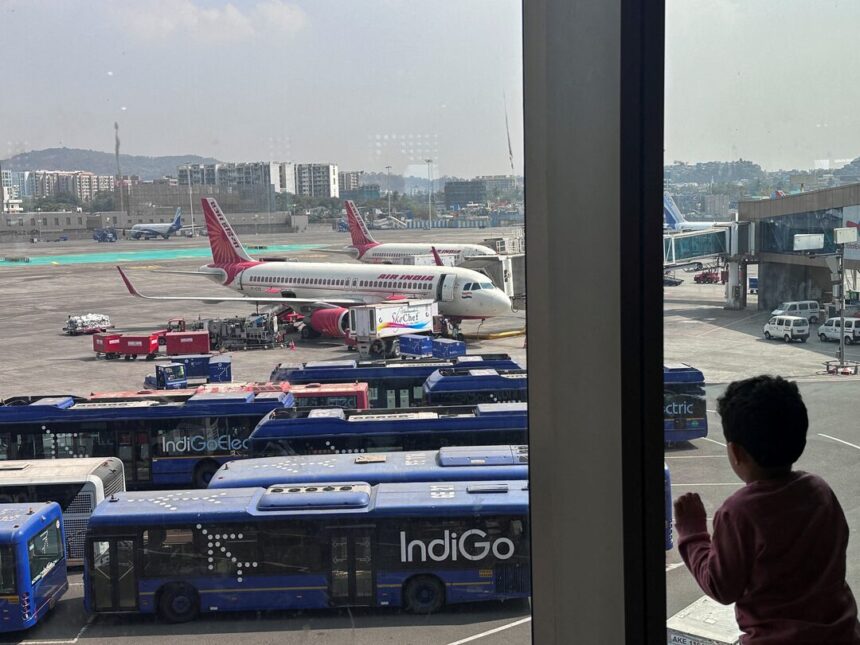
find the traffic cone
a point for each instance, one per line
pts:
(292, 345)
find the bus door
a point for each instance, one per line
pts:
(133, 448)
(351, 581)
(113, 577)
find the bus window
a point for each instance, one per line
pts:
(7, 570)
(44, 551)
(290, 550)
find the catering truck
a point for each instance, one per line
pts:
(374, 329)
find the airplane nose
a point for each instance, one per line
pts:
(500, 303)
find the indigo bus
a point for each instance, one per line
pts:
(312, 395)
(32, 563)
(332, 431)
(462, 386)
(160, 443)
(684, 406)
(396, 383)
(452, 463)
(77, 485)
(420, 546)
(667, 495)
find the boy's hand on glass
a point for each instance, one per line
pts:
(690, 516)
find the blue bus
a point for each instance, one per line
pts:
(332, 430)
(396, 383)
(462, 386)
(32, 563)
(452, 463)
(420, 546)
(160, 442)
(685, 414)
(667, 494)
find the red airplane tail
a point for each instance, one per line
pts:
(225, 244)
(361, 237)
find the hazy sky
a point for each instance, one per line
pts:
(360, 83)
(773, 81)
(367, 83)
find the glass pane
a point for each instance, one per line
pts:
(126, 581)
(102, 586)
(339, 567)
(362, 545)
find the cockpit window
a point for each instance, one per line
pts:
(486, 285)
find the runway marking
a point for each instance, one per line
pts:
(719, 443)
(839, 440)
(490, 632)
(59, 641)
(695, 457)
(708, 484)
(672, 567)
(727, 325)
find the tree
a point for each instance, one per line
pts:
(102, 201)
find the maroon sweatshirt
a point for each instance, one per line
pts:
(778, 553)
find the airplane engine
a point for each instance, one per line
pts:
(330, 322)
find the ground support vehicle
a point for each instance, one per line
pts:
(788, 328)
(257, 331)
(707, 277)
(132, 347)
(106, 345)
(420, 546)
(77, 484)
(32, 563)
(104, 235)
(830, 330)
(87, 324)
(376, 328)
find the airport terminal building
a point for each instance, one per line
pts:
(785, 274)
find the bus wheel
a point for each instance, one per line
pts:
(424, 595)
(178, 603)
(203, 473)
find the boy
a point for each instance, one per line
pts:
(778, 549)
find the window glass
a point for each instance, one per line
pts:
(7, 570)
(44, 551)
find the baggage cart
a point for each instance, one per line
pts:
(106, 345)
(187, 342)
(133, 346)
(448, 348)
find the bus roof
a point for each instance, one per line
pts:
(67, 408)
(681, 373)
(17, 520)
(55, 471)
(449, 463)
(475, 379)
(319, 371)
(426, 499)
(322, 421)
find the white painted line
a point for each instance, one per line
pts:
(61, 641)
(672, 567)
(694, 457)
(708, 484)
(839, 440)
(719, 443)
(491, 631)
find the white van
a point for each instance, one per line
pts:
(830, 330)
(788, 328)
(809, 309)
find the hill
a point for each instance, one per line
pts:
(101, 163)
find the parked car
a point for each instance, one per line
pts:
(788, 328)
(809, 309)
(831, 327)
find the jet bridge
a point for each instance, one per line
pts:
(733, 242)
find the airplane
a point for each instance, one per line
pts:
(325, 291)
(147, 231)
(365, 249)
(675, 222)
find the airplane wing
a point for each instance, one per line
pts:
(327, 250)
(320, 304)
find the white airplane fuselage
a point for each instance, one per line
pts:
(460, 293)
(394, 252)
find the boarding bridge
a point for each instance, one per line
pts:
(733, 242)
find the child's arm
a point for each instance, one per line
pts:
(720, 564)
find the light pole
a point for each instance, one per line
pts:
(388, 168)
(190, 200)
(430, 191)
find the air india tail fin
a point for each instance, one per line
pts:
(436, 258)
(361, 237)
(225, 244)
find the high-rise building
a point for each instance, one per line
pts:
(317, 180)
(80, 184)
(716, 205)
(498, 183)
(242, 175)
(460, 193)
(349, 180)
